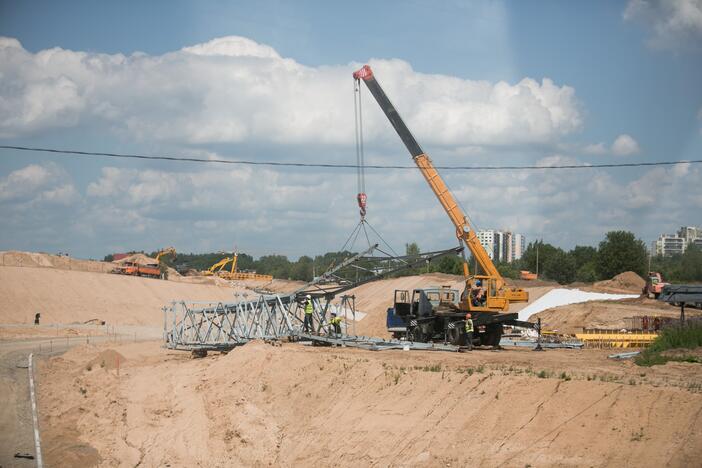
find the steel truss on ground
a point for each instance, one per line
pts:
(190, 325)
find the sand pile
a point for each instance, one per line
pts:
(627, 282)
(44, 260)
(138, 258)
(74, 296)
(611, 315)
(107, 359)
(302, 406)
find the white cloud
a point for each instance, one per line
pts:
(598, 148)
(234, 90)
(675, 24)
(36, 183)
(265, 211)
(624, 145)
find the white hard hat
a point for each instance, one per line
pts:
(308, 296)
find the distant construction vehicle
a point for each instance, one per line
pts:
(166, 251)
(654, 285)
(218, 270)
(439, 314)
(527, 275)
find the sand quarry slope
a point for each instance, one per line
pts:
(64, 296)
(572, 318)
(293, 405)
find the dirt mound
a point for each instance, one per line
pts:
(107, 359)
(302, 406)
(76, 296)
(610, 315)
(138, 258)
(44, 260)
(627, 282)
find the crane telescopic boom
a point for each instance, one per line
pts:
(499, 296)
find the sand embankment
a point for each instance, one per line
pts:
(67, 296)
(303, 406)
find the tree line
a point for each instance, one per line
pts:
(618, 252)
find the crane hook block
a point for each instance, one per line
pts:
(361, 198)
(364, 73)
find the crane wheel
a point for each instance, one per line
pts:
(492, 335)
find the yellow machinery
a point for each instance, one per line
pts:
(616, 339)
(498, 295)
(166, 251)
(218, 269)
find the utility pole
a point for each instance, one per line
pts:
(537, 259)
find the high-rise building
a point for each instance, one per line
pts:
(690, 234)
(502, 246)
(672, 244)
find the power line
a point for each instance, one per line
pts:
(341, 166)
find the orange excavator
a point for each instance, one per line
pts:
(440, 313)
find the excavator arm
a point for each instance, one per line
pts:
(166, 251)
(502, 295)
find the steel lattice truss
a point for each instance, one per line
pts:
(218, 325)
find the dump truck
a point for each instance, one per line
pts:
(439, 314)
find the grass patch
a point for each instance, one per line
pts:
(672, 338)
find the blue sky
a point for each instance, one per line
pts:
(622, 78)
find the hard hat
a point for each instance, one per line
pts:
(333, 313)
(468, 315)
(308, 296)
(478, 283)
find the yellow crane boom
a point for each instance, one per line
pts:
(498, 294)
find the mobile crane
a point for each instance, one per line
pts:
(440, 313)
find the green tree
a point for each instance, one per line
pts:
(560, 266)
(302, 269)
(587, 273)
(620, 251)
(528, 260)
(450, 264)
(583, 254)
(412, 249)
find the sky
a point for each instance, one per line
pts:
(479, 83)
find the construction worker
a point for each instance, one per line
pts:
(469, 331)
(478, 294)
(309, 309)
(335, 323)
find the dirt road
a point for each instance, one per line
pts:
(15, 411)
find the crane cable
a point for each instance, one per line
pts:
(361, 197)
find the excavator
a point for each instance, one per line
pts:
(166, 251)
(439, 313)
(233, 274)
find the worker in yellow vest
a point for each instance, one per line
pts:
(469, 331)
(335, 323)
(309, 309)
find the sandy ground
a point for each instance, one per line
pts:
(605, 314)
(302, 406)
(63, 296)
(123, 403)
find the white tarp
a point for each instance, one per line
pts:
(559, 297)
